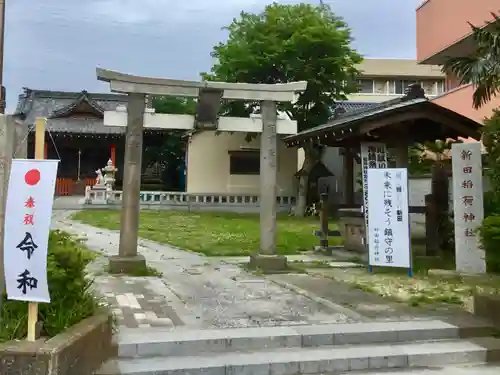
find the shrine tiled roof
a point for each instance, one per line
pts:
(351, 105)
(346, 123)
(57, 106)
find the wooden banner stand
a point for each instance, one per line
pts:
(39, 154)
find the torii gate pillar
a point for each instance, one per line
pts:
(136, 118)
(128, 259)
(267, 259)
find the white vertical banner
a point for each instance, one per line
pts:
(468, 206)
(388, 224)
(373, 155)
(30, 198)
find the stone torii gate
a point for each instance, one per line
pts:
(209, 95)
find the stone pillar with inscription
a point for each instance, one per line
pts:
(468, 206)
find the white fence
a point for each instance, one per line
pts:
(165, 200)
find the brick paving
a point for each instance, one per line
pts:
(135, 303)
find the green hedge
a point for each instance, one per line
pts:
(490, 240)
(71, 297)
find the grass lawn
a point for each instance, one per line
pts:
(213, 234)
(422, 289)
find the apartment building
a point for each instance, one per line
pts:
(385, 79)
(443, 31)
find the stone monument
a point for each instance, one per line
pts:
(468, 206)
(109, 175)
(102, 191)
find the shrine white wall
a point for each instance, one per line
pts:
(208, 165)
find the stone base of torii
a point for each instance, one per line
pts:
(209, 95)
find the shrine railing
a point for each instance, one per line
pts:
(189, 201)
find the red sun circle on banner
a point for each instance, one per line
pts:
(32, 177)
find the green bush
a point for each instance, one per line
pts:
(71, 297)
(489, 233)
(491, 203)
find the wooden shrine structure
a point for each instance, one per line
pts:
(76, 133)
(398, 123)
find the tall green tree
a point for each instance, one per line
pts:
(286, 43)
(482, 67)
(170, 152)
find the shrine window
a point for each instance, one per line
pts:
(244, 162)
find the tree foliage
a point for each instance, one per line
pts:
(490, 229)
(482, 67)
(491, 141)
(287, 43)
(170, 152)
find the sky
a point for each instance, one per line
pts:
(57, 44)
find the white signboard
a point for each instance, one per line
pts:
(468, 206)
(373, 155)
(389, 230)
(28, 212)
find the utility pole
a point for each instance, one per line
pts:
(2, 42)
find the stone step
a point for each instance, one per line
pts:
(480, 369)
(184, 343)
(333, 359)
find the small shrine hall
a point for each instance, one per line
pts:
(76, 135)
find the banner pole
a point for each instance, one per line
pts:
(39, 154)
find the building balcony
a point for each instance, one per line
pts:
(460, 100)
(443, 28)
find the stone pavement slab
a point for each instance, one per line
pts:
(448, 370)
(368, 305)
(205, 293)
(137, 302)
(134, 303)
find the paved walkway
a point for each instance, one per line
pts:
(202, 292)
(196, 291)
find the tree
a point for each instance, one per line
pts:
(286, 43)
(482, 67)
(491, 141)
(170, 152)
(439, 229)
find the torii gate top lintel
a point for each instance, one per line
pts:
(127, 83)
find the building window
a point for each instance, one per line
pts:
(244, 162)
(366, 86)
(440, 87)
(380, 87)
(429, 87)
(401, 86)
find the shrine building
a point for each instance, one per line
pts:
(75, 134)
